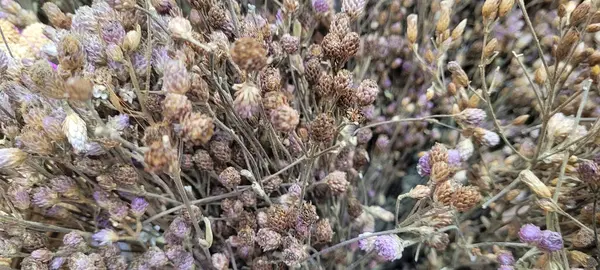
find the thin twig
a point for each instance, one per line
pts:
(6, 43)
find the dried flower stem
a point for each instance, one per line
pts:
(6, 43)
(521, 4)
(138, 91)
(501, 244)
(533, 87)
(196, 202)
(425, 118)
(43, 227)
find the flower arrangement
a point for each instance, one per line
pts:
(313, 134)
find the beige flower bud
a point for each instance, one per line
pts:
(180, 28)
(11, 158)
(381, 213)
(490, 48)
(505, 7)
(580, 13)
(412, 28)
(459, 30)
(76, 132)
(132, 40)
(419, 192)
(444, 19)
(520, 120)
(490, 10)
(534, 183)
(540, 75)
(547, 205)
(114, 53)
(459, 76)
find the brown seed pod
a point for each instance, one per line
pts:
(466, 198)
(444, 193)
(439, 153)
(440, 172)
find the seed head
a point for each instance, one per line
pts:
(180, 28)
(459, 76)
(535, 184)
(203, 160)
(220, 151)
(19, 196)
(268, 239)
(550, 241)
(290, 43)
(471, 117)
(71, 54)
(56, 16)
(65, 186)
(75, 130)
(350, 44)
(505, 7)
(285, 119)
(580, 13)
(270, 79)
(230, 177)
(247, 100)
(322, 129)
(274, 100)
(489, 10)
(175, 77)
(389, 247)
(79, 88)
(11, 158)
(530, 234)
(367, 92)
(197, 128)
(278, 218)
(159, 156)
(176, 107)
(440, 172)
(323, 232)
(337, 183)
(312, 69)
(466, 198)
(412, 28)
(249, 54)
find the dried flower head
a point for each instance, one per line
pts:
(285, 119)
(530, 234)
(11, 158)
(247, 100)
(337, 183)
(550, 241)
(197, 128)
(249, 54)
(466, 198)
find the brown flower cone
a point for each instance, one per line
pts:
(466, 198)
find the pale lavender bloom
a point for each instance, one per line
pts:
(279, 17)
(19, 196)
(102, 198)
(506, 267)
(454, 158)
(105, 237)
(550, 241)
(113, 32)
(506, 258)
(180, 227)
(80, 261)
(94, 49)
(138, 206)
(118, 210)
(73, 240)
(295, 190)
(160, 58)
(390, 247)
(57, 263)
(530, 234)
(320, 6)
(424, 165)
(383, 142)
(155, 257)
(118, 122)
(140, 63)
(366, 244)
(44, 197)
(84, 20)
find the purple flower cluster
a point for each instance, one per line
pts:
(545, 240)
